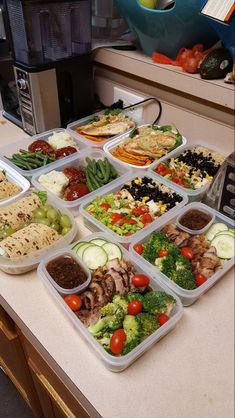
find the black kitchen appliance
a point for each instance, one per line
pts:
(51, 50)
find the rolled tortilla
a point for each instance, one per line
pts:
(8, 189)
(20, 212)
(28, 240)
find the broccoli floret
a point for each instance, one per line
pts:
(184, 278)
(98, 329)
(122, 301)
(105, 341)
(158, 241)
(148, 324)
(158, 302)
(132, 331)
(112, 316)
(135, 296)
(174, 251)
(167, 265)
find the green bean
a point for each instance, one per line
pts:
(113, 171)
(89, 184)
(108, 170)
(101, 165)
(94, 181)
(19, 163)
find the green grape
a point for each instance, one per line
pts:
(44, 221)
(52, 214)
(3, 234)
(9, 231)
(47, 207)
(39, 213)
(65, 221)
(56, 226)
(65, 230)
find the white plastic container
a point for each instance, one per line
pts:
(12, 148)
(14, 177)
(94, 225)
(117, 364)
(29, 262)
(78, 162)
(60, 289)
(188, 297)
(110, 146)
(74, 125)
(193, 195)
(203, 209)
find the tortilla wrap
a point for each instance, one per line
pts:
(30, 239)
(8, 189)
(20, 212)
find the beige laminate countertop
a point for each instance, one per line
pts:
(189, 373)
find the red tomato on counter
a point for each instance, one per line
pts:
(117, 341)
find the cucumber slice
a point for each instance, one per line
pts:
(75, 248)
(224, 233)
(81, 249)
(224, 245)
(232, 230)
(94, 257)
(112, 250)
(214, 229)
(98, 241)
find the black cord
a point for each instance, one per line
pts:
(146, 100)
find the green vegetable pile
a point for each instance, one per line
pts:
(99, 173)
(115, 316)
(30, 160)
(175, 266)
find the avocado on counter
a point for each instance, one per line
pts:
(216, 64)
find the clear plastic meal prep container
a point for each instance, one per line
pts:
(12, 148)
(188, 297)
(193, 195)
(95, 225)
(99, 144)
(79, 162)
(14, 177)
(29, 262)
(110, 146)
(116, 364)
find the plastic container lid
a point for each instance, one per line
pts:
(29, 262)
(12, 148)
(78, 162)
(193, 195)
(60, 289)
(97, 225)
(200, 208)
(188, 297)
(118, 364)
(14, 177)
(111, 145)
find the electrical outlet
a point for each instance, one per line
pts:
(130, 98)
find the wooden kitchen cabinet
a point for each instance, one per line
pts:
(13, 362)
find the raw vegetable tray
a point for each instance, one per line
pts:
(8, 150)
(187, 297)
(81, 162)
(111, 362)
(193, 194)
(14, 177)
(95, 225)
(110, 146)
(25, 263)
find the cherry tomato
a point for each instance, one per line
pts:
(74, 302)
(187, 252)
(115, 217)
(64, 152)
(138, 248)
(162, 169)
(162, 319)
(105, 206)
(74, 175)
(134, 307)
(129, 221)
(140, 210)
(117, 341)
(146, 218)
(41, 146)
(200, 279)
(139, 280)
(75, 191)
(162, 253)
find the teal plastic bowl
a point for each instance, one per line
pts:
(166, 31)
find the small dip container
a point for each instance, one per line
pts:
(66, 272)
(195, 219)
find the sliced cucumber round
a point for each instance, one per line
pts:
(112, 250)
(214, 229)
(224, 233)
(98, 241)
(75, 248)
(94, 257)
(81, 249)
(232, 230)
(224, 245)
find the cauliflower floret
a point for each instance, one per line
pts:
(55, 181)
(62, 139)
